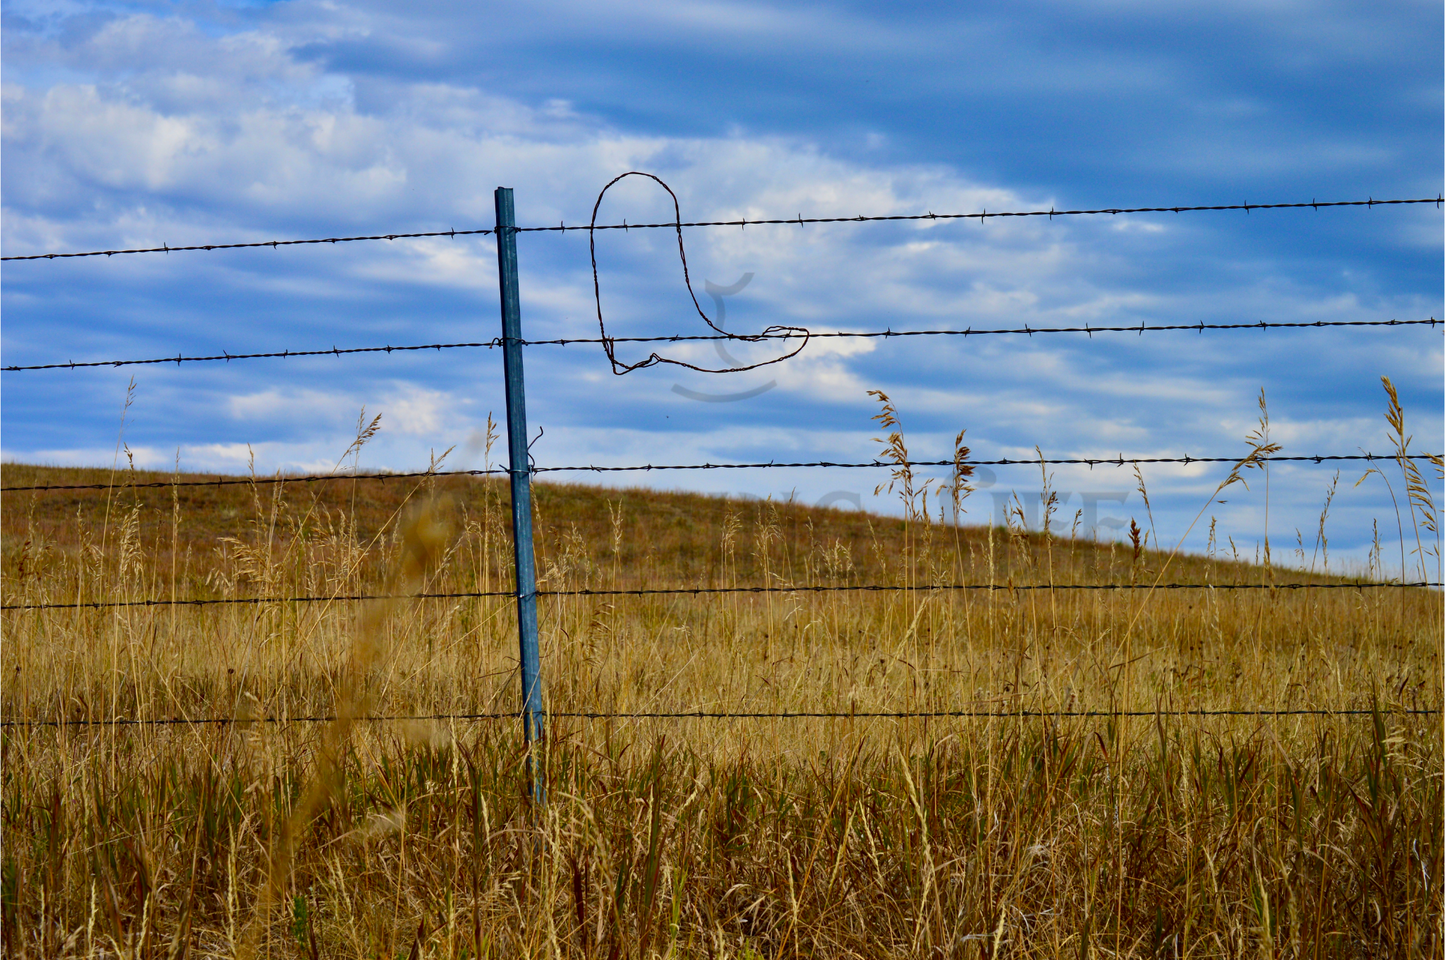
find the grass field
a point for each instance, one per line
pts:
(1027, 830)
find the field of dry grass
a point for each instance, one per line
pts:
(1076, 814)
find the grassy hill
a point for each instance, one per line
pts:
(1057, 801)
(634, 534)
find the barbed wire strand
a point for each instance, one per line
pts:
(744, 223)
(982, 215)
(258, 481)
(739, 715)
(1091, 462)
(269, 354)
(707, 591)
(1035, 461)
(1027, 330)
(273, 244)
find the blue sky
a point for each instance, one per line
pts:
(132, 124)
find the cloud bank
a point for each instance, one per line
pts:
(136, 125)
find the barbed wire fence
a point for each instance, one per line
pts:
(521, 469)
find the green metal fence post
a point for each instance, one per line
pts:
(521, 477)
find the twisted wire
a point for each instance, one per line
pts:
(619, 368)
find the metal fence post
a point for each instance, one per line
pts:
(521, 477)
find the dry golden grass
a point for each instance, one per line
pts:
(1003, 834)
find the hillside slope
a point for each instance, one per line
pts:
(634, 535)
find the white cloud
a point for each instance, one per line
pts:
(405, 408)
(419, 412)
(245, 136)
(289, 402)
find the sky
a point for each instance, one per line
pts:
(136, 124)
